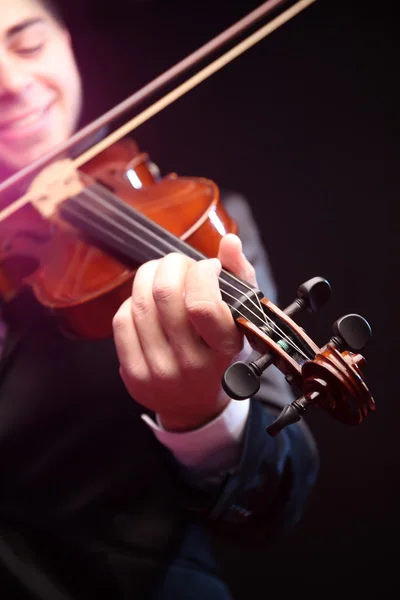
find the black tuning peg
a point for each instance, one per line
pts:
(291, 413)
(311, 295)
(241, 381)
(351, 332)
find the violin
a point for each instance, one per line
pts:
(77, 236)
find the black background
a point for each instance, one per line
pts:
(305, 125)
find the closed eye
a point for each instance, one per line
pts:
(31, 51)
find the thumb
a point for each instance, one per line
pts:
(232, 258)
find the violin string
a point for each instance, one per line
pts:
(100, 199)
(161, 254)
(172, 248)
(142, 241)
(117, 208)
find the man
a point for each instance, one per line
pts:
(121, 459)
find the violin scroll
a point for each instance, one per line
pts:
(240, 381)
(329, 377)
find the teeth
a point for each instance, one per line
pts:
(28, 120)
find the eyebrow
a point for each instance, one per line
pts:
(22, 26)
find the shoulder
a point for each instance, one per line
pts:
(238, 207)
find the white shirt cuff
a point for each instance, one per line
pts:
(214, 447)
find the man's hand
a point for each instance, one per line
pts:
(175, 336)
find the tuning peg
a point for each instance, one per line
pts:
(311, 296)
(241, 381)
(291, 413)
(351, 332)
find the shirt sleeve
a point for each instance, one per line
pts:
(213, 448)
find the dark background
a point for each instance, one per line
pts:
(305, 125)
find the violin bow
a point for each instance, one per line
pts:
(155, 85)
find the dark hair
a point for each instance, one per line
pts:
(53, 7)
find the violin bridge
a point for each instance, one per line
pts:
(54, 184)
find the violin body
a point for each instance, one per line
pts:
(80, 282)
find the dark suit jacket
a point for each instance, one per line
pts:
(92, 506)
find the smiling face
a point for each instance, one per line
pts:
(40, 87)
